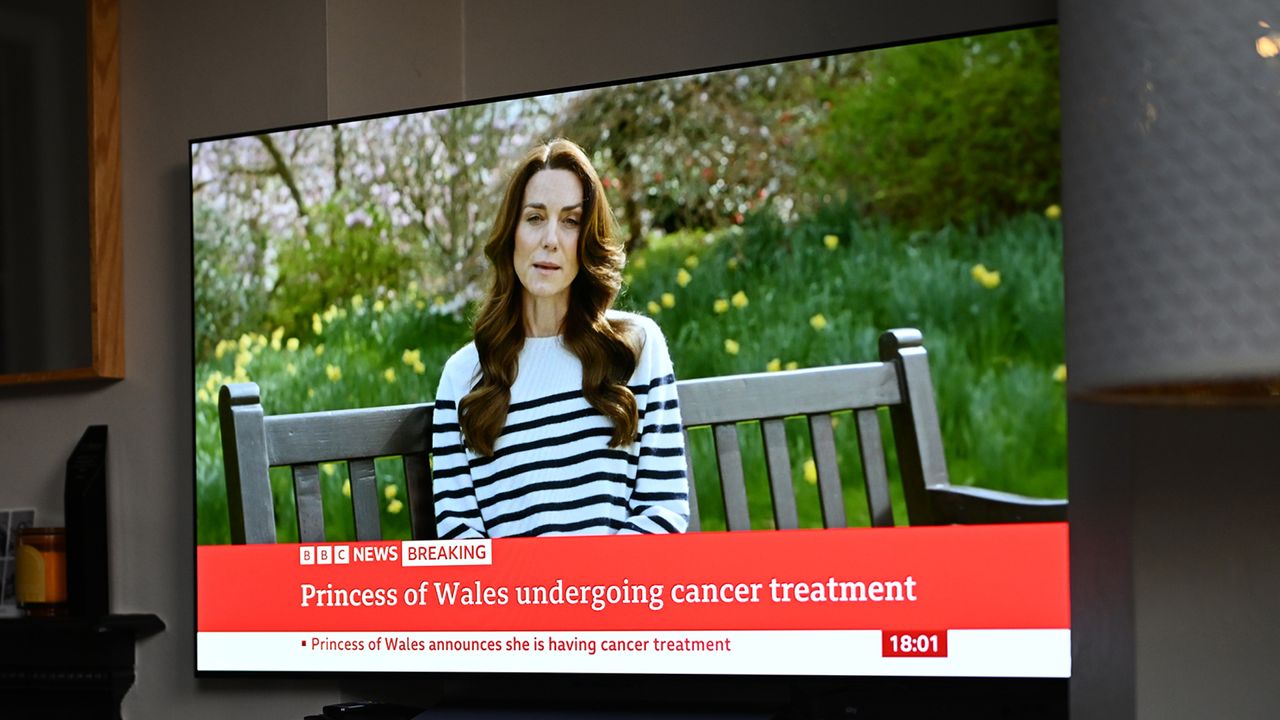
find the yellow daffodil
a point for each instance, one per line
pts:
(831, 241)
(379, 306)
(411, 357)
(390, 491)
(721, 306)
(319, 349)
(819, 322)
(243, 358)
(260, 341)
(1053, 212)
(811, 472)
(989, 279)
(773, 365)
(731, 346)
(654, 308)
(739, 300)
(668, 300)
(331, 313)
(220, 350)
(357, 301)
(316, 326)
(202, 395)
(291, 369)
(276, 336)
(245, 341)
(419, 367)
(291, 344)
(346, 488)
(328, 469)
(333, 372)
(691, 262)
(394, 507)
(389, 375)
(1060, 373)
(683, 277)
(791, 365)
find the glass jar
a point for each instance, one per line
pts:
(42, 571)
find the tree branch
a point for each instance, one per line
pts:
(286, 176)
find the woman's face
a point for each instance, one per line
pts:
(546, 252)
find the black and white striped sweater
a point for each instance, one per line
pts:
(552, 471)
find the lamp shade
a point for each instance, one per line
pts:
(1171, 198)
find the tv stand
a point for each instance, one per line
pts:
(70, 666)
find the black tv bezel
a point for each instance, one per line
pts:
(795, 695)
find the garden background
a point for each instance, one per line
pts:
(775, 217)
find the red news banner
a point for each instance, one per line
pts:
(912, 584)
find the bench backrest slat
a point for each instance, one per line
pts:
(695, 518)
(364, 499)
(310, 505)
(830, 489)
(732, 479)
(871, 453)
(778, 459)
(422, 509)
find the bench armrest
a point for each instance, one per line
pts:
(971, 505)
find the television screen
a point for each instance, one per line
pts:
(541, 384)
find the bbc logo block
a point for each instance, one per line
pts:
(324, 555)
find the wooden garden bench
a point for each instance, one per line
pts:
(253, 442)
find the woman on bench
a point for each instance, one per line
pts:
(561, 418)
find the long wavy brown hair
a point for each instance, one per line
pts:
(608, 348)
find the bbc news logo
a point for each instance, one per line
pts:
(324, 555)
(409, 553)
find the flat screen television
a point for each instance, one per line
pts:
(775, 217)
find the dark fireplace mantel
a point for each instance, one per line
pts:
(69, 667)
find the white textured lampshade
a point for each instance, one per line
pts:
(1171, 198)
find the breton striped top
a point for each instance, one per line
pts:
(552, 471)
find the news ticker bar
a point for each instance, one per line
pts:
(1044, 653)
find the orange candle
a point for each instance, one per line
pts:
(42, 571)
